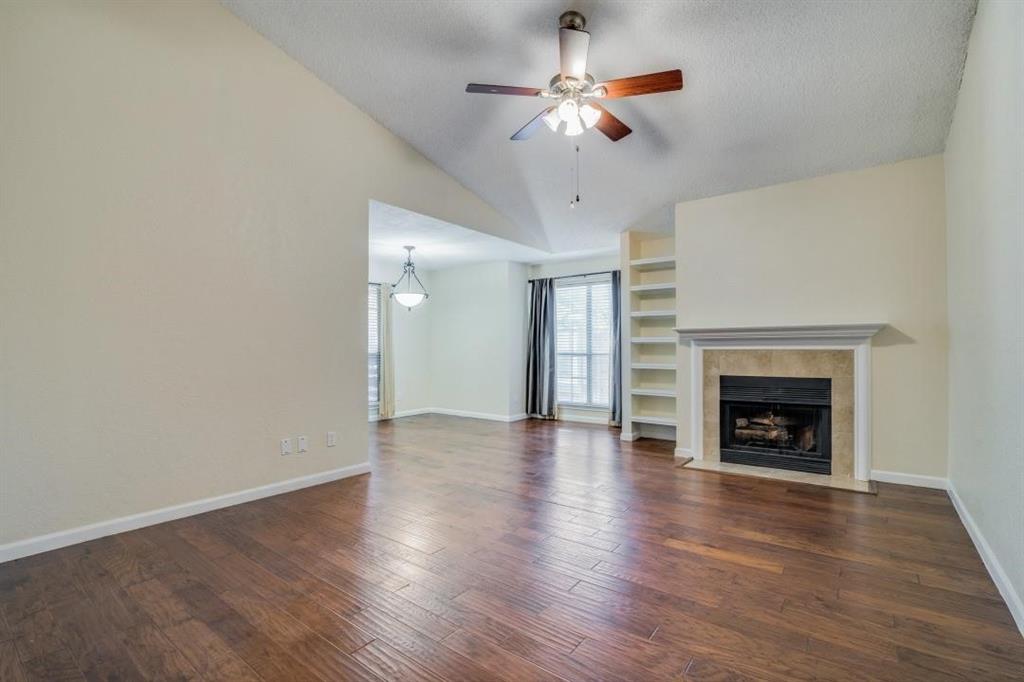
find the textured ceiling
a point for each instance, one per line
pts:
(775, 91)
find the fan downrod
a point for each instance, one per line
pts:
(573, 20)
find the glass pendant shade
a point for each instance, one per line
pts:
(406, 294)
(409, 299)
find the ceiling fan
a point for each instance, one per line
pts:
(577, 92)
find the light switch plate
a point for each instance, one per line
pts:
(303, 444)
(332, 438)
(286, 446)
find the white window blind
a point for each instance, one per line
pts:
(373, 357)
(583, 341)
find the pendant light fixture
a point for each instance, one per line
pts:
(408, 297)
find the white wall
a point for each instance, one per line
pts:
(578, 266)
(518, 323)
(864, 246)
(410, 339)
(183, 259)
(478, 339)
(985, 207)
(464, 350)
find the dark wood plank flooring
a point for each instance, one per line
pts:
(530, 551)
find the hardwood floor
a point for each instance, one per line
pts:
(529, 551)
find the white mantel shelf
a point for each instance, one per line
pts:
(851, 333)
(855, 337)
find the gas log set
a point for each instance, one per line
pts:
(776, 431)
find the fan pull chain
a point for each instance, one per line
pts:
(577, 174)
(572, 203)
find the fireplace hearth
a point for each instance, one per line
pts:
(776, 422)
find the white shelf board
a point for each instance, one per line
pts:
(652, 288)
(659, 263)
(653, 313)
(654, 392)
(667, 366)
(661, 421)
(654, 339)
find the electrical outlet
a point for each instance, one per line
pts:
(332, 438)
(286, 446)
(303, 444)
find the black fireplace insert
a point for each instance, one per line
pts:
(777, 422)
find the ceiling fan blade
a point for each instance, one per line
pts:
(572, 48)
(503, 90)
(527, 131)
(648, 84)
(608, 124)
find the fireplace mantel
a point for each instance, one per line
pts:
(831, 333)
(851, 336)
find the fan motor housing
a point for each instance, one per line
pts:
(573, 20)
(559, 86)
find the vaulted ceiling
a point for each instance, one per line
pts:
(775, 91)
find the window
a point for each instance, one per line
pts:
(373, 357)
(583, 314)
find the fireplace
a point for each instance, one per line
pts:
(777, 422)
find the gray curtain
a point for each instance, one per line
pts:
(540, 359)
(615, 383)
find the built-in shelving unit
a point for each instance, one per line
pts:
(656, 263)
(653, 313)
(642, 289)
(658, 421)
(654, 392)
(649, 357)
(666, 366)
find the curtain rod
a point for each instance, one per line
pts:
(584, 274)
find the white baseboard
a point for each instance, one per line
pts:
(601, 418)
(479, 415)
(683, 453)
(463, 413)
(909, 479)
(995, 569)
(412, 413)
(44, 543)
(629, 435)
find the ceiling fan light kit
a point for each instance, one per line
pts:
(577, 92)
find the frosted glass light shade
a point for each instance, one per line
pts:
(552, 121)
(409, 299)
(590, 115)
(573, 127)
(568, 110)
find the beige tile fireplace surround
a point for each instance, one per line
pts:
(840, 352)
(836, 365)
